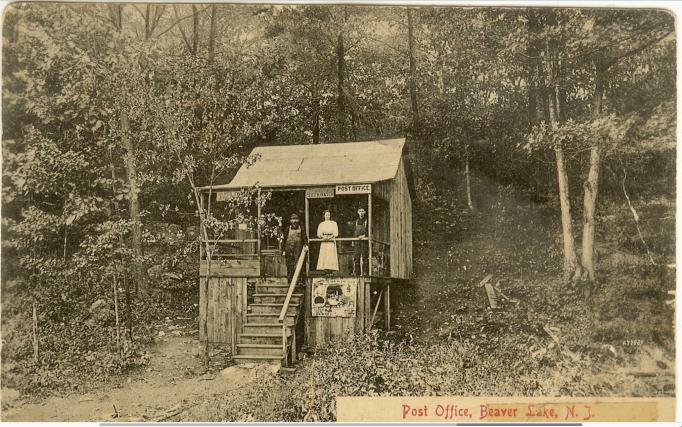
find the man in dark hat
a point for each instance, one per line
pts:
(360, 248)
(294, 240)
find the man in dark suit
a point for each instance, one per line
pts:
(295, 239)
(360, 248)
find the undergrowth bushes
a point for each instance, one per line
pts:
(78, 343)
(372, 365)
(73, 350)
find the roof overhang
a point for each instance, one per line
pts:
(302, 166)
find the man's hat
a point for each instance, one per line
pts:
(293, 216)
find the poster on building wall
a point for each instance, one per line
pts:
(334, 296)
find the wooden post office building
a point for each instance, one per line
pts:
(342, 281)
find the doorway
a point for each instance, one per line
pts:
(279, 207)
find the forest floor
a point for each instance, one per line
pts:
(618, 341)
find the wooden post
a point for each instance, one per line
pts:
(366, 284)
(284, 342)
(35, 332)
(258, 225)
(376, 307)
(307, 233)
(387, 307)
(369, 234)
(293, 344)
(233, 318)
(308, 336)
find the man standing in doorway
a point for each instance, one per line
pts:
(294, 240)
(360, 255)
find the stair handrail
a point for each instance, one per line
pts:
(292, 285)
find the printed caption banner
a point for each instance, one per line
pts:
(503, 409)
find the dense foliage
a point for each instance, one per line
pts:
(114, 115)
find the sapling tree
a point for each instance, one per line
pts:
(198, 123)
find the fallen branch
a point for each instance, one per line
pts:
(643, 374)
(175, 410)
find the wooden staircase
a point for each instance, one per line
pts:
(264, 339)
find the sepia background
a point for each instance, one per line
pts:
(542, 149)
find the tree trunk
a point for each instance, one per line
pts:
(591, 186)
(570, 258)
(341, 81)
(572, 269)
(316, 119)
(467, 177)
(195, 30)
(131, 176)
(211, 35)
(133, 200)
(147, 21)
(413, 69)
(589, 206)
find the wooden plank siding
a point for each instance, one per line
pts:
(397, 192)
(226, 308)
(321, 330)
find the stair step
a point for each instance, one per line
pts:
(276, 298)
(283, 295)
(259, 349)
(271, 289)
(273, 280)
(272, 308)
(264, 338)
(268, 318)
(265, 328)
(272, 304)
(240, 359)
(259, 346)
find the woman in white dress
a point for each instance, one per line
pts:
(328, 230)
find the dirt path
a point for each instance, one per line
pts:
(172, 382)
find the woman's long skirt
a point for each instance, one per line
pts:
(328, 259)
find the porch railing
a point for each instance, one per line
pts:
(348, 262)
(232, 248)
